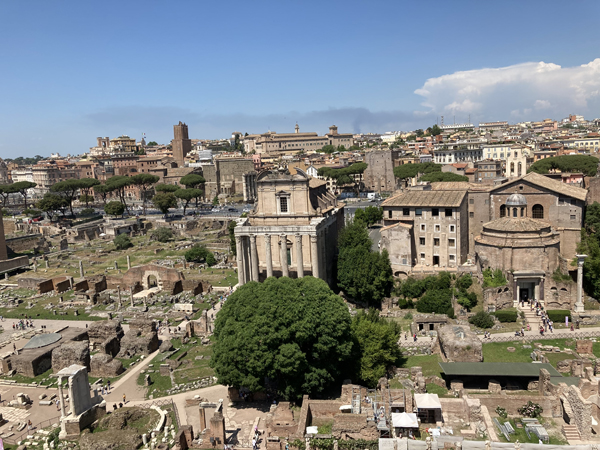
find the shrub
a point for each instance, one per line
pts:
(405, 304)
(87, 212)
(558, 315)
(493, 279)
(464, 282)
(122, 242)
(32, 212)
(198, 253)
(482, 320)
(114, 208)
(506, 315)
(162, 234)
(501, 412)
(408, 316)
(530, 409)
(450, 313)
(560, 277)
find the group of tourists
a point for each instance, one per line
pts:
(23, 324)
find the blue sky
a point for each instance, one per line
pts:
(72, 70)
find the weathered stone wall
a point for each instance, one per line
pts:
(141, 339)
(497, 298)
(459, 343)
(354, 426)
(71, 353)
(23, 243)
(582, 412)
(103, 365)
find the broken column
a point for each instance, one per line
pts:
(579, 303)
(132, 296)
(128, 262)
(116, 266)
(80, 269)
(119, 295)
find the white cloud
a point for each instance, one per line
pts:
(515, 91)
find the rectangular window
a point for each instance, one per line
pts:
(471, 201)
(283, 204)
(437, 228)
(390, 214)
(448, 212)
(573, 217)
(406, 211)
(471, 214)
(421, 241)
(451, 243)
(422, 227)
(451, 257)
(422, 255)
(435, 212)
(452, 228)
(436, 242)
(418, 212)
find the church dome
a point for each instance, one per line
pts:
(516, 200)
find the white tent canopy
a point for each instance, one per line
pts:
(405, 420)
(427, 401)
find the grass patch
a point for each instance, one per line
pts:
(38, 379)
(435, 389)
(521, 435)
(496, 351)
(428, 363)
(325, 428)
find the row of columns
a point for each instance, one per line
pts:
(244, 275)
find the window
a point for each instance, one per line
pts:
(422, 255)
(451, 257)
(283, 204)
(573, 217)
(437, 228)
(452, 228)
(537, 212)
(406, 211)
(515, 212)
(436, 242)
(471, 214)
(422, 241)
(418, 212)
(448, 212)
(390, 214)
(435, 212)
(471, 201)
(522, 212)
(451, 242)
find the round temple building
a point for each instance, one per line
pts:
(528, 248)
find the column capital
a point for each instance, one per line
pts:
(313, 238)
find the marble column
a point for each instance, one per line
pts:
(579, 304)
(253, 257)
(61, 398)
(283, 255)
(247, 259)
(299, 256)
(314, 256)
(240, 260)
(269, 256)
(542, 282)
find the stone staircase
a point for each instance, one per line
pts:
(571, 433)
(531, 318)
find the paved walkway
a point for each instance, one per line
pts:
(128, 384)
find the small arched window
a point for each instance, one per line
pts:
(522, 212)
(515, 212)
(502, 210)
(537, 212)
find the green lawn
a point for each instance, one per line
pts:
(28, 380)
(428, 363)
(496, 351)
(435, 389)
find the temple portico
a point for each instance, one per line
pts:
(292, 232)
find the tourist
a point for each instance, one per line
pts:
(124, 399)
(253, 444)
(415, 337)
(57, 405)
(405, 336)
(572, 327)
(541, 330)
(577, 324)
(29, 425)
(108, 385)
(551, 326)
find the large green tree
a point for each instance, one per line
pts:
(114, 208)
(296, 333)
(187, 195)
(586, 164)
(144, 181)
(590, 246)
(51, 203)
(104, 191)
(193, 180)
(68, 189)
(377, 350)
(5, 191)
(363, 274)
(412, 170)
(22, 187)
(166, 187)
(164, 201)
(86, 186)
(118, 184)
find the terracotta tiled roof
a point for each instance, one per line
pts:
(427, 199)
(552, 185)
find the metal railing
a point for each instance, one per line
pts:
(536, 337)
(22, 434)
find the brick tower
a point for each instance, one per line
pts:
(182, 144)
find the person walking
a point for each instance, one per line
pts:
(124, 399)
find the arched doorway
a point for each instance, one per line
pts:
(152, 281)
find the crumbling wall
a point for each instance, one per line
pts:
(582, 412)
(71, 353)
(107, 335)
(141, 339)
(103, 365)
(353, 426)
(459, 343)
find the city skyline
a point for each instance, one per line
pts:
(77, 71)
